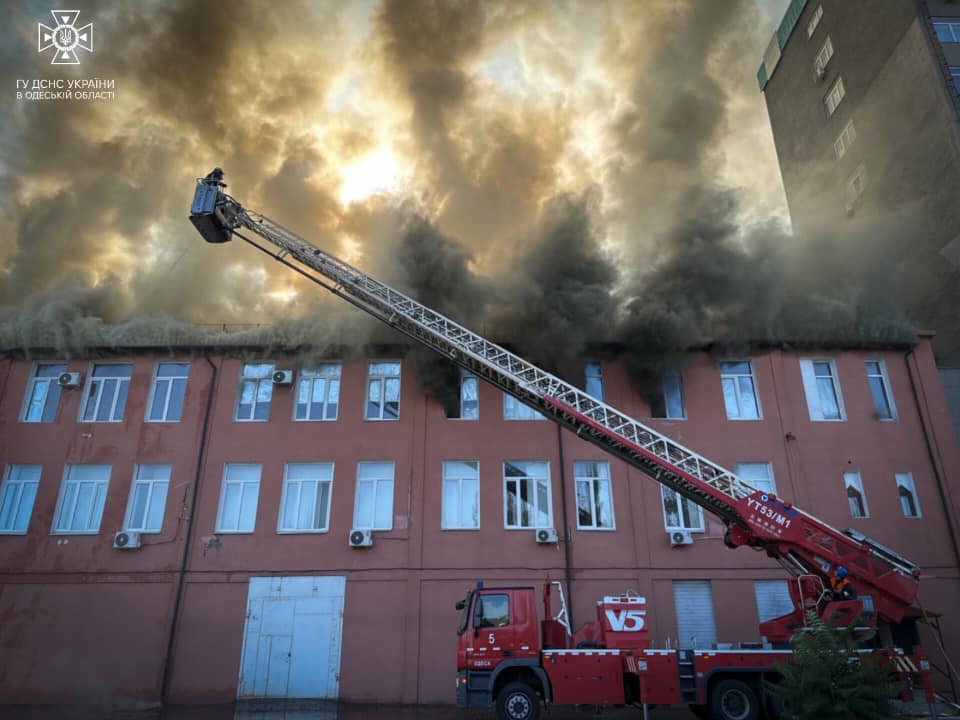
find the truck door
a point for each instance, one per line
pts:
(494, 631)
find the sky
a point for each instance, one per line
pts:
(561, 172)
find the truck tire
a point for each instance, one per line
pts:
(733, 700)
(518, 701)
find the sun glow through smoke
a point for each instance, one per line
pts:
(374, 174)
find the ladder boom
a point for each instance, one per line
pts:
(799, 541)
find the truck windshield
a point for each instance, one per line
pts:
(464, 607)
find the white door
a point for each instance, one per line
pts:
(693, 600)
(291, 640)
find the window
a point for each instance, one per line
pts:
(238, 498)
(594, 496)
(256, 390)
(513, 409)
(461, 495)
(318, 393)
(43, 394)
(106, 394)
(492, 611)
(305, 506)
(383, 391)
(17, 493)
(166, 395)
(836, 94)
(526, 492)
(773, 599)
(947, 32)
(374, 505)
(148, 498)
(908, 495)
(880, 389)
(814, 21)
(679, 513)
(856, 185)
(670, 404)
(824, 401)
(593, 381)
(739, 393)
(855, 496)
(845, 140)
(469, 397)
(823, 57)
(82, 495)
(955, 74)
(757, 474)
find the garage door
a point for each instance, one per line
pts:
(694, 604)
(291, 641)
(773, 599)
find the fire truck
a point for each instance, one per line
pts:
(507, 657)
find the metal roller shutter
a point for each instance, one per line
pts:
(773, 599)
(693, 600)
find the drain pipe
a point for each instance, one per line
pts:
(566, 529)
(201, 452)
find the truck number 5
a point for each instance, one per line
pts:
(491, 639)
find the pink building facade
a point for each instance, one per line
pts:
(245, 493)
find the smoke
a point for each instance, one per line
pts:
(555, 176)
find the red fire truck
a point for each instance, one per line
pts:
(506, 656)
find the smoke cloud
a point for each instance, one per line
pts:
(554, 176)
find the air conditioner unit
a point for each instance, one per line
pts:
(680, 537)
(283, 377)
(126, 540)
(69, 379)
(546, 535)
(361, 538)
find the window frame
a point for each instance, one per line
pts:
(819, 64)
(911, 487)
(597, 377)
(887, 389)
(58, 509)
(955, 74)
(383, 392)
(325, 402)
(153, 389)
(814, 21)
(854, 194)
(839, 89)
(770, 476)
(699, 528)
(951, 25)
(466, 376)
(809, 375)
(218, 528)
(857, 485)
(593, 482)
(17, 510)
(325, 528)
(537, 415)
(670, 372)
(86, 392)
(845, 140)
(443, 495)
(31, 384)
(127, 525)
(253, 406)
(375, 481)
(536, 510)
(756, 390)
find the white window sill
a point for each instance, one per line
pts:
(682, 529)
(13, 532)
(308, 420)
(460, 529)
(75, 532)
(315, 531)
(590, 528)
(163, 422)
(143, 532)
(250, 420)
(218, 531)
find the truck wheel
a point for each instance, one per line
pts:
(518, 701)
(734, 700)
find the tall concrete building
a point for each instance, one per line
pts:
(864, 105)
(238, 496)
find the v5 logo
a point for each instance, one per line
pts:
(626, 620)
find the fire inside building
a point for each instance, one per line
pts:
(210, 525)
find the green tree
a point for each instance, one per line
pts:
(828, 679)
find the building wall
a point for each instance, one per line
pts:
(906, 113)
(80, 621)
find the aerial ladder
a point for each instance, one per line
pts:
(808, 548)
